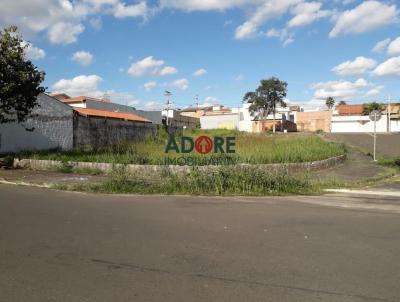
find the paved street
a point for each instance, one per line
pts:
(61, 246)
(388, 145)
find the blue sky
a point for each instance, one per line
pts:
(135, 50)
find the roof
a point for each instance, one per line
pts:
(110, 114)
(350, 109)
(83, 98)
(60, 96)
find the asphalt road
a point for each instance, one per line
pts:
(60, 246)
(388, 145)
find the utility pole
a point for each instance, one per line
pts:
(167, 94)
(196, 97)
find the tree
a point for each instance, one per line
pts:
(342, 103)
(264, 100)
(330, 102)
(369, 107)
(19, 79)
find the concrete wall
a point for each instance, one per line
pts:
(313, 121)
(100, 132)
(184, 121)
(225, 121)
(50, 127)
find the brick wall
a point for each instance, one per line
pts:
(314, 121)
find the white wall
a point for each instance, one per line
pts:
(395, 125)
(226, 121)
(358, 123)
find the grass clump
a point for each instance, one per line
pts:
(224, 180)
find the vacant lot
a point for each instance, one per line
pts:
(250, 148)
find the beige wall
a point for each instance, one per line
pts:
(313, 121)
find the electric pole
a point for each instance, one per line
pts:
(167, 95)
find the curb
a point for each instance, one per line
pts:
(366, 192)
(44, 165)
(22, 183)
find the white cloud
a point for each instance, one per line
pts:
(342, 90)
(282, 34)
(265, 11)
(121, 10)
(32, 52)
(306, 13)
(63, 20)
(381, 46)
(150, 66)
(80, 85)
(391, 67)
(150, 85)
(167, 70)
(65, 33)
(367, 16)
(239, 77)
(96, 23)
(84, 58)
(374, 91)
(357, 67)
(181, 84)
(394, 47)
(200, 72)
(205, 5)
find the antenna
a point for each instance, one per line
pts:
(196, 97)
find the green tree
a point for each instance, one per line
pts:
(342, 103)
(330, 102)
(369, 107)
(19, 79)
(266, 98)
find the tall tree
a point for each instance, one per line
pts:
(19, 79)
(330, 102)
(342, 103)
(369, 107)
(266, 98)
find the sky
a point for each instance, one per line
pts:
(212, 51)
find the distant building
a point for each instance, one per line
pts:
(105, 104)
(352, 118)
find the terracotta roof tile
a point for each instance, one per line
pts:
(110, 114)
(350, 109)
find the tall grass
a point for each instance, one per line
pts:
(250, 148)
(224, 180)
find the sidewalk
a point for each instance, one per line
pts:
(356, 168)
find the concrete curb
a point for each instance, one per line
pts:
(43, 165)
(365, 192)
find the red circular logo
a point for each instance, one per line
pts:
(203, 144)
